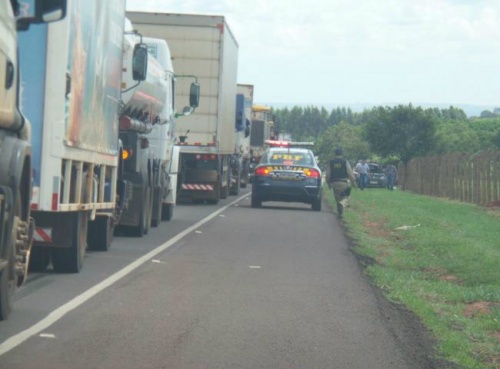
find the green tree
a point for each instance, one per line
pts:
(346, 136)
(487, 114)
(404, 132)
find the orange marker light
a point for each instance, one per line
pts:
(125, 154)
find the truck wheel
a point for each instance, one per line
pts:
(236, 191)
(167, 212)
(7, 278)
(224, 191)
(100, 234)
(70, 260)
(39, 259)
(145, 219)
(156, 216)
(149, 213)
(217, 194)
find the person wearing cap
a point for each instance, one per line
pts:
(340, 178)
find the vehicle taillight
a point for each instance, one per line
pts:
(262, 171)
(312, 173)
(126, 154)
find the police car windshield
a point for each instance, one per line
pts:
(288, 157)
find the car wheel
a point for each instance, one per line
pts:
(316, 205)
(256, 202)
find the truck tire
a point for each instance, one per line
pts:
(235, 191)
(217, 194)
(156, 210)
(39, 259)
(224, 191)
(167, 212)
(7, 277)
(145, 219)
(7, 287)
(150, 209)
(100, 234)
(70, 260)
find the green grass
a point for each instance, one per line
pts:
(447, 270)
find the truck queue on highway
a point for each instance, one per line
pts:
(119, 115)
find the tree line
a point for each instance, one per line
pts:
(386, 134)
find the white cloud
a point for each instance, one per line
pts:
(342, 51)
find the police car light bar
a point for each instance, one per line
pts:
(274, 143)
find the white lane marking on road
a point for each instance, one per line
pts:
(254, 267)
(61, 311)
(47, 335)
(197, 232)
(222, 215)
(158, 261)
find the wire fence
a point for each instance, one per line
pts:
(473, 178)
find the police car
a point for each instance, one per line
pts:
(287, 172)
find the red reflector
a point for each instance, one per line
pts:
(55, 201)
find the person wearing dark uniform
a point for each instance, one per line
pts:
(340, 178)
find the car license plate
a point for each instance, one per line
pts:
(287, 176)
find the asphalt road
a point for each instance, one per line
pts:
(275, 287)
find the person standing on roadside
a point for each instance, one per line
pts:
(340, 178)
(391, 174)
(363, 168)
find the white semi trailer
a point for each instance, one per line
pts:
(203, 46)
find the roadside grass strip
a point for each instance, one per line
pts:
(441, 260)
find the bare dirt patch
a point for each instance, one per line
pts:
(451, 278)
(376, 229)
(479, 308)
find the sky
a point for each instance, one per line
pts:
(347, 52)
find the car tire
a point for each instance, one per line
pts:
(316, 205)
(256, 202)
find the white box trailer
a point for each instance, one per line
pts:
(247, 91)
(201, 46)
(73, 83)
(16, 225)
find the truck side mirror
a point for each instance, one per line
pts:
(194, 95)
(41, 11)
(140, 62)
(50, 10)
